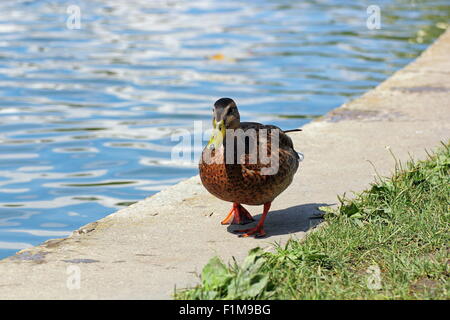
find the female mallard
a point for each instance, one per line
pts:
(246, 163)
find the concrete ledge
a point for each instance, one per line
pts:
(145, 250)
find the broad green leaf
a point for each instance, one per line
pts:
(215, 273)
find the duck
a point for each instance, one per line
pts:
(246, 163)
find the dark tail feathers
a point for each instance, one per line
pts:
(292, 130)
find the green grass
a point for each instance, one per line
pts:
(399, 227)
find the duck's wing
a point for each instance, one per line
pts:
(266, 177)
(286, 157)
(284, 140)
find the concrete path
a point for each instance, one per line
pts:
(145, 250)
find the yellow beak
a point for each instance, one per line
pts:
(217, 135)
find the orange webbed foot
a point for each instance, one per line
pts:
(258, 232)
(238, 215)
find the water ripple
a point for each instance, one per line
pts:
(86, 116)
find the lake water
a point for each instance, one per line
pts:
(86, 115)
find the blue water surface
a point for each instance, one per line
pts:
(87, 115)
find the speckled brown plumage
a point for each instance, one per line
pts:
(243, 183)
(234, 168)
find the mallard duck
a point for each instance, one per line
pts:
(231, 174)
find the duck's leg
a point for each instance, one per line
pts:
(238, 215)
(257, 231)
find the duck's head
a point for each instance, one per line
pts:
(225, 116)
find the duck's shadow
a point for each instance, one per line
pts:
(286, 221)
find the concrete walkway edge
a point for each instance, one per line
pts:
(145, 250)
